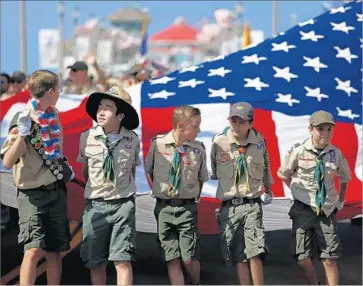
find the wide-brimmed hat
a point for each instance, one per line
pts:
(137, 69)
(123, 102)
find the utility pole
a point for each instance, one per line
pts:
(23, 36)
(274, 18)
(61, 13)
(293, 19)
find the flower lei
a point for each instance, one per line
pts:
(49, 130)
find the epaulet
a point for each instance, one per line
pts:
(84, 131)
(158, 136)
(200, 143)
(295, 146)
(223, 133)
(135, 133)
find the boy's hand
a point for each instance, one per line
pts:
(24, 123)
(339, 205)
(266, 198)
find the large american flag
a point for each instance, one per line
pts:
(315, 65)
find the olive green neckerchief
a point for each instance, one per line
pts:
(174, 174)
(241, 163)
(320, 194)
(108, 165)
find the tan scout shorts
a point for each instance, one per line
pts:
(242, 234)
(310, 231)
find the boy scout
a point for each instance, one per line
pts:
(33, 149)
(109, 153)
(309, 170)
(240, 163)
(176, 165)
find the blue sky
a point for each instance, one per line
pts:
(43, 15)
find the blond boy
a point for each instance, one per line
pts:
(309, 170)
(240, 163)
(33, 149)
(176, 165)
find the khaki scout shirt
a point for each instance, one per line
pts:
(299, 165)
(223, 161)
(193, 167)
(30, 171)
(125, 158)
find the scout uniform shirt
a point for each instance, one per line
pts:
(30, 171)
(299, 165)
(193, 167)
(224, 156)
(125, 156)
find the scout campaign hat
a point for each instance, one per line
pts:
(123, 102)
(320, 117)
(243, 110)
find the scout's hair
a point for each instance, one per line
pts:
(184, 113)
(41, 81)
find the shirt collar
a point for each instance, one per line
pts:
(251, 138)
(308, 144)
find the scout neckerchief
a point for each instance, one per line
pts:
(174, 173)
(49, 130)
(108, 164)
(241, 164)
(319, 173)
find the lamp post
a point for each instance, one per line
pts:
(293, 19)
(75, 16)
(61, 14)
(274, 18)
(23, 35)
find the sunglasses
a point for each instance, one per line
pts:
(17, 81)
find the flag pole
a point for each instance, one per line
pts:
(23, 36)
(274, 18)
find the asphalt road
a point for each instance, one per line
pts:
(279, 268)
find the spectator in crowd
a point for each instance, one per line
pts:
(140, 73)
(18, 82)
(5, 84)
(81, 81)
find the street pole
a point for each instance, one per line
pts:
(75, 15)
(23, 36)
(61, 13)
(274, 18)
(293, 19)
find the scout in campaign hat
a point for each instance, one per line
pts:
(123, 103)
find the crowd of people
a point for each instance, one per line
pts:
(83, 77)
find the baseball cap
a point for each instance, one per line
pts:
(18, 77)
(244, 110)
(320, 117)
(79, 66)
